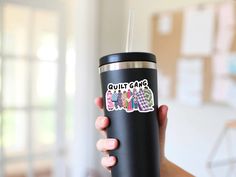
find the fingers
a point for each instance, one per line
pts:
(105, 145)
(108, 162)
(101, 123)
(99, 102)
(162, 112)
(162, 119)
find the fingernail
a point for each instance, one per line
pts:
(165, 109)
(111, 160)
(104, 120)
(111, 143)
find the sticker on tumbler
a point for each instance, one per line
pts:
(132, 96)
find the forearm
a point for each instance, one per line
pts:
(169, 169)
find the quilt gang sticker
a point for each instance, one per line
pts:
(132, 96)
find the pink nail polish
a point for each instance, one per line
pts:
(111, 143)
(111, 160)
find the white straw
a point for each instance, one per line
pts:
(130, 31)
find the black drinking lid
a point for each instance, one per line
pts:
(128, 56)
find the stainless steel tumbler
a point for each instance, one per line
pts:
(129, 89)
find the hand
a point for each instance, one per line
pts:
(105, 145)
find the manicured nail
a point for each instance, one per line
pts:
(112, 143)
(104, 120)
(112, 160)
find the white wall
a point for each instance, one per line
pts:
(112, 26)
(192, 132)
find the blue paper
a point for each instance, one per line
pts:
(232, 64)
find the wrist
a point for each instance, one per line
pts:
(163, 161)
(169, 169)
(164, 167)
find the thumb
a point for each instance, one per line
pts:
(162, 120)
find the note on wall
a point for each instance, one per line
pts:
(232, 95)
(232, 64)
(224, 91)
(165, 24)
(220, 64)
(221, 86)
(198, 31)
(226, 28)
(224, 64)
(190, 81)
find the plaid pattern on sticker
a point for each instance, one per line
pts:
(143, 102)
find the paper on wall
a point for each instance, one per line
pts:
(165, 24)
(220, 64)
(226, 27)
(232, 64)
(224, 40)
(224, 64)
(224, 91)
(232, 95)
(226, 14)
(190, 81)
(198, 31)
(220, 89)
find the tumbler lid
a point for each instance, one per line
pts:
(129, 56)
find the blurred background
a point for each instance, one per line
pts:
(49, 53)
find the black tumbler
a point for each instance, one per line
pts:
(129, 88)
